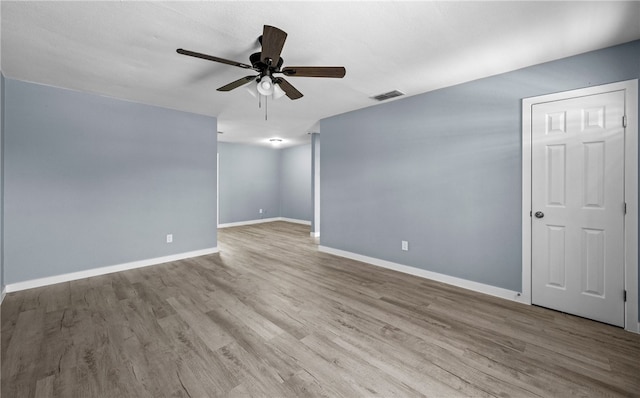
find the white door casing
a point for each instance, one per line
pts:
(578, 206)
(579, 140)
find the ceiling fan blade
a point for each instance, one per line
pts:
(238, 83)
(272, 43)
(288, 89)
(212, 58)
(315, 71)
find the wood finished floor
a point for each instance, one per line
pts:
(270, 316)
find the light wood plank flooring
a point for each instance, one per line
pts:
(270, 316)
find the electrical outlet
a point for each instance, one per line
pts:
(169, 238)
(260, 211)
(405, 245)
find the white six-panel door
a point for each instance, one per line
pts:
(578, 206)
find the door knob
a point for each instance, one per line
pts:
(539, 214)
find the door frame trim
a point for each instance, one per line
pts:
(630, 188)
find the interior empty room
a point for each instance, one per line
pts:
(319, 199)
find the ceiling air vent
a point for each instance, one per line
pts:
(386, 96)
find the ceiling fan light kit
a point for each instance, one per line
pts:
(278, 92)
(269, 63)
(265, 86)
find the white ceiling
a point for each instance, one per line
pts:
(127, 50)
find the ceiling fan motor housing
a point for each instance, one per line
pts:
(261, 66)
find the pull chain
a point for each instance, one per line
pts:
(265, 104)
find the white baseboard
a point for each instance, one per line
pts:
(314, 234)
(450, 280)
(295, 221)
(249, 222)
(50, 280)
(263, 220)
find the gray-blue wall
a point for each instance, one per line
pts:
(249, 181)
(91, 181)
(255, 177)
(295, 182)
(442, 170)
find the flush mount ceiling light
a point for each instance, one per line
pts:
(275, 141)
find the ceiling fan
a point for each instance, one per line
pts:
(269, 63)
